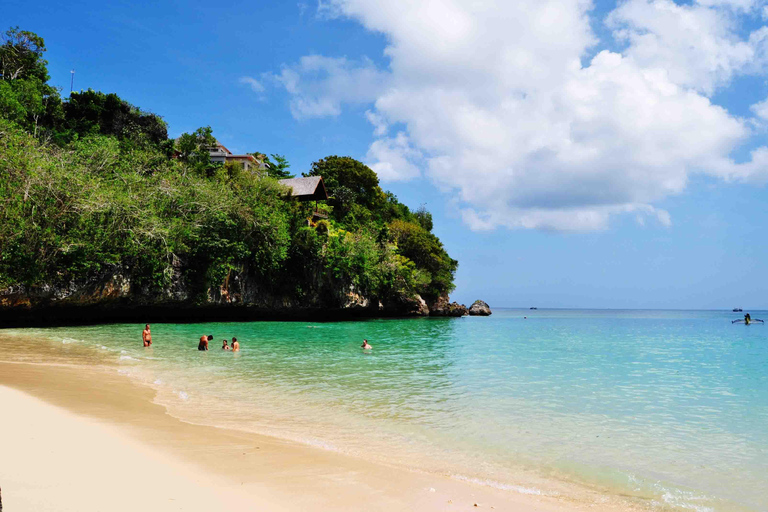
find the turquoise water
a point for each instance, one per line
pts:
(666, 408)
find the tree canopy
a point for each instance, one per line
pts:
(91, 112)
(277, 166)
(21, 56)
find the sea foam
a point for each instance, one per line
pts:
(499, 485)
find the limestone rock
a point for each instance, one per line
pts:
(406, 306)
(480, 308)
(420, 307)
(444, 307)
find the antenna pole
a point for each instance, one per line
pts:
(72, 81)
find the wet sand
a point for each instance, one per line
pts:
(73, 437)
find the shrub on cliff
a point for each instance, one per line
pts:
(359, 204)
(70, 213)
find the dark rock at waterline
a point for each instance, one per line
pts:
(444, 307)
(113, 295)
(480, 308)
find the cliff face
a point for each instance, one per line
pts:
(112, 296)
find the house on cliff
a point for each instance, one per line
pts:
(220, 154)
(307, 189)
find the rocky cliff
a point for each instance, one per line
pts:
(112, 296)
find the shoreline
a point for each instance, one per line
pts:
(272, 473)
(61, 316)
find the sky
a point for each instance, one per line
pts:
(573, 153)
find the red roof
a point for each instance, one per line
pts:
(241, 157)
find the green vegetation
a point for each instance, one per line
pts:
(91, 186)
(278, 168)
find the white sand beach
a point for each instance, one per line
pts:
(53, 460)
(83, 440)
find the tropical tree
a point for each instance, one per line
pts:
(21, 56)
(25, 96)
(193, 148)
(91, 112)
(349, 182)
(278, 166)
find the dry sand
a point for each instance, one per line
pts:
(83, 439)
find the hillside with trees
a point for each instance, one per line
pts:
(104, 217)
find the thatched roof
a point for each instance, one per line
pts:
(307, 189)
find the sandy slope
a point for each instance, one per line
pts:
(82, 439)
(53, 460)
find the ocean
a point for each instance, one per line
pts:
(665, 409)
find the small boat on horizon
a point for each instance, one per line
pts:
(737, 310)
(534, 308)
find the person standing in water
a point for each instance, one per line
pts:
(203, 345)
(224, 345)
(235, 345)
(146, 336)
(366, 345)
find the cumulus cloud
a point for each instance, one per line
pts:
(697, 45)
(501, 113)
(394, 158)
(319, 85)
(761, 109)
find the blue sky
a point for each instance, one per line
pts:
(627, 182)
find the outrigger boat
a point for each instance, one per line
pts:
(747, 320)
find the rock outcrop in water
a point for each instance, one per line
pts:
(480, 308)
(112, 296)
(444, 307)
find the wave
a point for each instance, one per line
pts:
(502, 486)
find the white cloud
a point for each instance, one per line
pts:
(379, 123)
(738, 5)
(394, 158)
(318, 85)
(501, 114)
(697, 45)
(761, 109)
(254, 84)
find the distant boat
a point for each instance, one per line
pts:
(534, 308)
(737, 310)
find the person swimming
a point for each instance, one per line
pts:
(366, 345)
(203, 345)
(224, 345)
(235, 345)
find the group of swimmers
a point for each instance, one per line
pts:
(146, 337)
(204, 340)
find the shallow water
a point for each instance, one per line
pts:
(669, 408)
